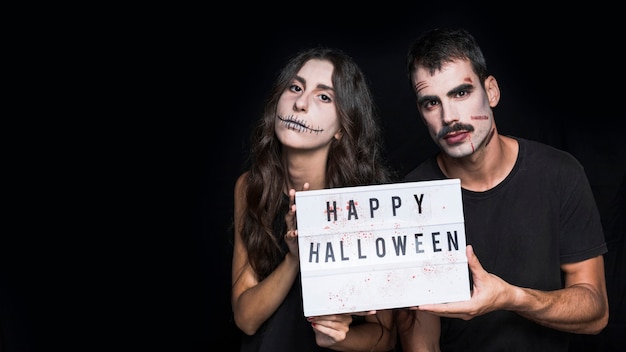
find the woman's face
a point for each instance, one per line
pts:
(307, 115)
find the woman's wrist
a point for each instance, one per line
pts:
(291, 258)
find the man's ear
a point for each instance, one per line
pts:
(493, 91)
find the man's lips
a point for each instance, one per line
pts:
(456, 137)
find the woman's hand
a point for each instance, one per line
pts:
(373, 332)
(291, 237)
(330, 329)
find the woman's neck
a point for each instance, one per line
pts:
(306, 167)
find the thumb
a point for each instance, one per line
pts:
(472, 260)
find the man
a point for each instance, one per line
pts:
(535, 241)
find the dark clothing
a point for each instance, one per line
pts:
(287, 329)
(541, 216)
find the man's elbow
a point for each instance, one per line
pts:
(599, 324)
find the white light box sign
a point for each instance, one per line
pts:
(383, 246)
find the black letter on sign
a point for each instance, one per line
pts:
(435, 241)
(380, 247)
(343, 257)
(373, 206)
(358, 243)
(396, 203)
(330, 254)
(331, 210)
(352, 210)
(316, 252)
(399, 243)
(453, 241)
(419, 202)
(418, 243)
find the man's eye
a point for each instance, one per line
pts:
(431, 103)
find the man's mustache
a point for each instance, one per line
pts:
(453, 128)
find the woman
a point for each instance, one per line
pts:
(319, 130)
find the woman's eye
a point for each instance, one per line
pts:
(325, 98)
(295, 88)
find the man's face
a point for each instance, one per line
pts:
(455, 107)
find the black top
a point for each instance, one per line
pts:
(541, 216)
(287, 330)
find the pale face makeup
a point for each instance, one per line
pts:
(454, 107)
(307, 117)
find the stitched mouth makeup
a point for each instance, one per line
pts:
(292, 123)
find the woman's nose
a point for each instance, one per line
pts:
(301, 103)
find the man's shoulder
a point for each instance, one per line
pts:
(548, 162)
(539, 151)
(427, 170)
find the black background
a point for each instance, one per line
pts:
(151, 268)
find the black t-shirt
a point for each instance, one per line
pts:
(541, 216)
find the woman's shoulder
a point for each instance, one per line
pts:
(241, 183)
(242, 179)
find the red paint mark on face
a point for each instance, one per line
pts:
(490, 136)
(481, 117)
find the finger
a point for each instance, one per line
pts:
(290, 216)
(347, 317)
(369, 312)
(327, 317)
(434, 308)
(472, 261)
(292, 196)
(327, 332)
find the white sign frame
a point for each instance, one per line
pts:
(382, 246)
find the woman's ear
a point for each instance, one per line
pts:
(493, 91)
(338, 135)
